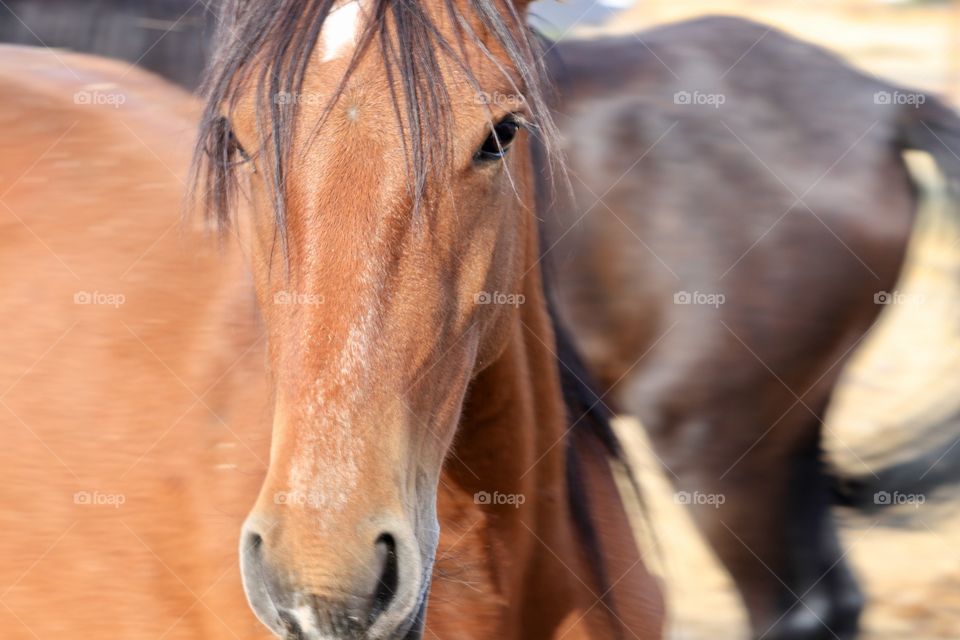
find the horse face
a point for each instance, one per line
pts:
(380, 306)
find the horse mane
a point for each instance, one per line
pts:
(586, 411)
(266, 46)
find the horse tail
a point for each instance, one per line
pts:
(934, 128)
(913, 480)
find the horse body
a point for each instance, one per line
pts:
(137, 442)
(132, 367)
(723, 265)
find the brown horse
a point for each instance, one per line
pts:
(133, 400)
(392, 212)
(387, 231)
(744, 210)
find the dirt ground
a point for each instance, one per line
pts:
(904, 375)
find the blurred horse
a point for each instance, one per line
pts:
(743, 214)
(169, 37)
(425, 441)
(133, 403)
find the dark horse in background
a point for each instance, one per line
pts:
(741, 200)
(169, 37)
(743, 207)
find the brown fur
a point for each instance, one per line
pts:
(113, 405)
(398, 415)
(104, 399)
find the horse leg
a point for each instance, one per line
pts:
(762, 501)
(825, 600)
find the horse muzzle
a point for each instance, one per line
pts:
(378, 594)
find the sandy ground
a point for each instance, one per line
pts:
(905, 373)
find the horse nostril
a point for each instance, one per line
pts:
(252, 543)
(261, 586)
(389, 577)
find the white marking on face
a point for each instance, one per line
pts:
(304, 615)
(341, 30)
(326, 469)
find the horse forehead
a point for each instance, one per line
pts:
(342, 29)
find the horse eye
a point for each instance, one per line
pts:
(497, 143)
(229, 145)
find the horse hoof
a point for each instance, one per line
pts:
(819, 617)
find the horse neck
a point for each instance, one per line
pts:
(513, 441)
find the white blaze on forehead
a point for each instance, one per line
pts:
(341, 30)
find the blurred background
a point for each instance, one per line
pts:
(901, 394)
